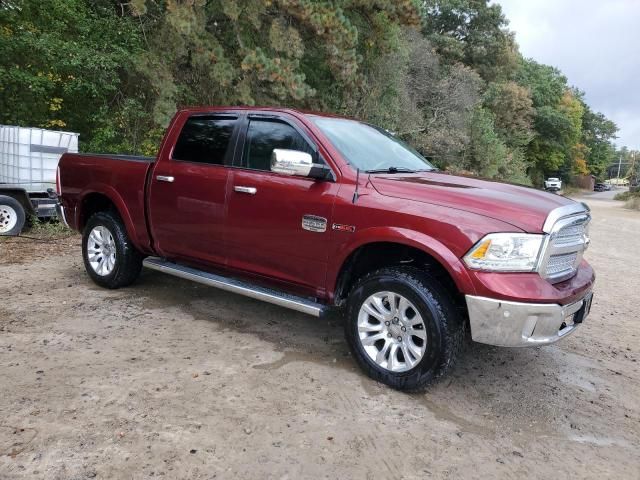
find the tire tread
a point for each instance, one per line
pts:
(448, 315)
(129, 260)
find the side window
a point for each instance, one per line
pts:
(204, 139)
(265, 135)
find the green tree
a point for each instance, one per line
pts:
(598, 133)
(61, 62)
(473, 32)
(455, 86)
(513, 111)
(489, 156)
(287, 52)
(445, 96)
(557, 119)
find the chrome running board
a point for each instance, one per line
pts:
(293, 302)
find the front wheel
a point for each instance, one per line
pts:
(403, 327)
(110, 258)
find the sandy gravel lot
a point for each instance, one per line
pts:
(174, 380)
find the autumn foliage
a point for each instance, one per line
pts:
(446, 75)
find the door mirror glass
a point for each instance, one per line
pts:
(297, 163)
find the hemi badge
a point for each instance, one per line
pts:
(314, 223)
(344, 228)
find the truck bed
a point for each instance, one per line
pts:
(133, 158)
(124, 177)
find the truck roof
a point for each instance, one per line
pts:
(291, 111)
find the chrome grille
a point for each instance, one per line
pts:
(561, 264)
(568, 239)
(571, 234)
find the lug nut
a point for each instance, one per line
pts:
(387, 323)
(404, 329)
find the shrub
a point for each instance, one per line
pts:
(633, 203)
(624, 196)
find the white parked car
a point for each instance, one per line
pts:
(553, 184)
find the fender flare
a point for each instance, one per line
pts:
(403, 236)
(115, 198)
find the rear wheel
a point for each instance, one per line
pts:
(403, 327)
(110, 258)
(12, 216)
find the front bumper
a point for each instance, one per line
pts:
(514, 324)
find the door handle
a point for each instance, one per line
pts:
(165, 178)
(249, 190)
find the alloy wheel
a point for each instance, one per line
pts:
(101, 250)
(391, 331)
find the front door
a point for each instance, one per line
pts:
(187, 192)
(278, 225)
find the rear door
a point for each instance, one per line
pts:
(278, 225)
(188, 190)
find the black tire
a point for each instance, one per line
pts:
(442, 320)
(128, 261)
(10, 208)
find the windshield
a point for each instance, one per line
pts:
(370, 148)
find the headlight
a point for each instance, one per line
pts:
(506, 252)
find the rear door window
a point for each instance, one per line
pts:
(205, 139)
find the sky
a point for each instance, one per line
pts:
(595, 43)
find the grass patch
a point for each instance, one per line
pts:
(626, 196)
(570, 190)
(46, 229)
(633, 203)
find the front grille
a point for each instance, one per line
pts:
(568, 241)
(571, 234)
(560, 265)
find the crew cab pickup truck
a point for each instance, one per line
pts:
(315, 212)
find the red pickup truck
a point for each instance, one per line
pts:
(315, 212)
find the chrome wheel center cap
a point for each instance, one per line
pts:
(395, 330)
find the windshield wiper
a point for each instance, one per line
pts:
(392, 170)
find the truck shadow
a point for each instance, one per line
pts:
(301, 337)
(525, 390)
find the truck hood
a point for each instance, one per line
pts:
(523, 207)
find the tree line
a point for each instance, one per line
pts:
(445, 75)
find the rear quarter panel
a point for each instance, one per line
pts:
(122, 181)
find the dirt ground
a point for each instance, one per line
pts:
(174, 380)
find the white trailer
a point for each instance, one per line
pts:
(28, 164)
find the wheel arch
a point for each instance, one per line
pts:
(386, 247)
(95, 200)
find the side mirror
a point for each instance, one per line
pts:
(297, 163)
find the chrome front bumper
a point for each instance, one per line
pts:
(513, 324)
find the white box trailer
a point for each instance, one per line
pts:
(28, 164)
